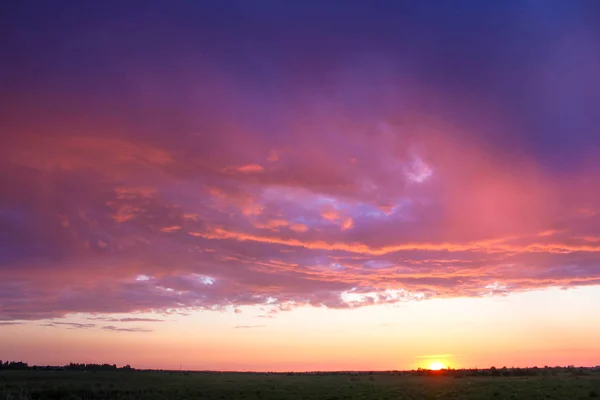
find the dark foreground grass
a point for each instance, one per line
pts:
(17, 385)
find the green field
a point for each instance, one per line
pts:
(221, 386)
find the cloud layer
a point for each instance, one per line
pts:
(296, 158)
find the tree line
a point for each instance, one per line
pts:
(20, 365)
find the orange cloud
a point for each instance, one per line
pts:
(173, 228)
(73, 152)
(486, 246)
(333, 215)
(299, 228)
(250, 169)
(347, 224)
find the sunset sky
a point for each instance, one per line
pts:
(300, 185)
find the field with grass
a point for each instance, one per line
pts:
(17, 385)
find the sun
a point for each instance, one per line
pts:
(436, 366)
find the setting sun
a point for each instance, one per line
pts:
(436, 366)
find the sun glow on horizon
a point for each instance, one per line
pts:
(437, 365)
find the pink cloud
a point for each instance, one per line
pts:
(347, 223)
(273, 156)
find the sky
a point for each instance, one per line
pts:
(316, 185)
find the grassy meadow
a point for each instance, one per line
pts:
(343, 386)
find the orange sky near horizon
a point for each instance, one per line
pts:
(550, 327)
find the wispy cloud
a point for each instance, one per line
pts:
(126, 319)
(70, 325)
(249, 326)
(118, 329)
